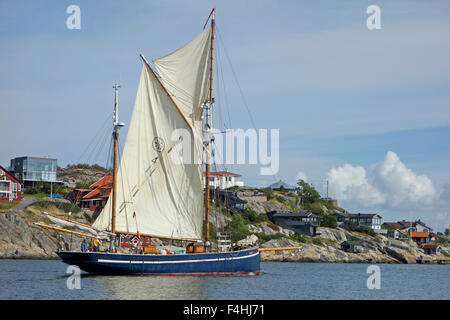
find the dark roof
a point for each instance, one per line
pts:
(393, 225)
(363, 215)
(405, 223)
(429, 245)
(37, 158)
(302, 214)
(345, 214)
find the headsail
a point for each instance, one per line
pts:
(185, 74)
(166, 196)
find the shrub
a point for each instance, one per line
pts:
(265, 237)
(317, 241)
(298, 237)
(237, 228)
(329, 221)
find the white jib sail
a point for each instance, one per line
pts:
(185, 73)
(165, 195)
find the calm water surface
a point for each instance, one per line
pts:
(34, 279)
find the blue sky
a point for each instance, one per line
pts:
(339, 93)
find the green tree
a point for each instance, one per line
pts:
(329, 221)
(447, 232)
(307, 192)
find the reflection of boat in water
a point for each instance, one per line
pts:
(158, 187)
(128, 287)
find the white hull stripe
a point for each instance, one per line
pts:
(178, 261)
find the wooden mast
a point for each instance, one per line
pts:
(117, 126)
(209, 123)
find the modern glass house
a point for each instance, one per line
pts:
(32, 169)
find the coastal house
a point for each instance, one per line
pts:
(302, 222)
(397, 234)
(371, 220)
(422, 237)
(230, 199)
(395, 230)
(408, 226)
(340, 217)
(224, 179)
(431, 248)
(10, 187)
(417, 225)
(96, 199)
(30, 170)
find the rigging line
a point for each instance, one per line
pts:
(98, 144)
(237, 82)
(100, 149)
(219, 63)
(109, 157)
(102, 127)
(218, 94)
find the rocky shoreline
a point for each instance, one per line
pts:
(20, 239)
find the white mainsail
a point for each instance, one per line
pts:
(156, 195)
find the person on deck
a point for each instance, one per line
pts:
(84, 245)
(96, 244)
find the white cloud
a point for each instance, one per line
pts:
(388, 184)
(349, 185)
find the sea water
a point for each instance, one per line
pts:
(43, 279)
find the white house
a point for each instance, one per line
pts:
(224, 180)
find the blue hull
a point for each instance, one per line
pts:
(223, 263)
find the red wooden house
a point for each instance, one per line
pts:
(96, 199)
(10, 187)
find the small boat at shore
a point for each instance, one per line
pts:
(158, 187)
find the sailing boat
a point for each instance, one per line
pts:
(155, 196)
